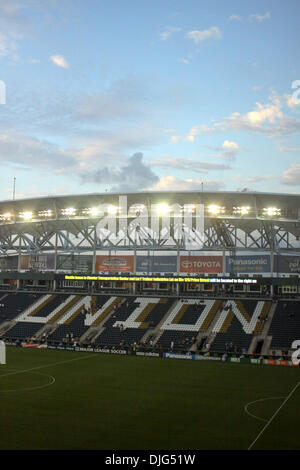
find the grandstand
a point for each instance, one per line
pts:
(207, 273)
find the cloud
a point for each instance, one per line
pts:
(168, 32)
(59, 61)
(291, 176)
(264, 113)
(292, 101)
(193, 133)
(171, 183)
(97, 161)
(259, 17)
(189, 164)
(260, 178)
(289, 149)
(235, 17)
(267, 119)
(14, 26)
(135, 175)
(211, 33)
(26, 152)
(185, 60)
(124, 98)
(227, 145)
(8, 46)
(228, 150)
(175, 138)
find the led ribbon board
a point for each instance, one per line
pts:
(160, 279)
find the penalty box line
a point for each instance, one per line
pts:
(273, 416)
(46, 365)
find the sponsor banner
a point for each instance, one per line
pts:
(201, 264)
(178, 356)
(287, 264)
(277, 362)
(118, 351)
(38, 262)
(235, 359)
(150, 354)
(79, 348)
(9, 263)
(248, 264)
(80, 263)
(199, 357)
(34, 345)
(115, 263)
(244, 360)
(255, 361)
(156, 264)
(100, 350)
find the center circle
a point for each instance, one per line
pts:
(21, 388)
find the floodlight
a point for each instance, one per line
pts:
(112, 210)
(189, 207)
(215, 210)
(27, 215)
(68, 211)
(243, 210)
(271, 211)
(94, 211)
(162, 208)
(46, 213)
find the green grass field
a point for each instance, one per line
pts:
(77, 400)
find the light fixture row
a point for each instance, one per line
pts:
(112, 210)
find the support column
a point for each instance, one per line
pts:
(224, 262)
(94, 252)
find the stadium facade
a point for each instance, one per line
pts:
(233, 222)
(187, 272)
(208, 234)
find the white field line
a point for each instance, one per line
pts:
(37, 387)
(256, 401)
(46, 365)
(273, 416)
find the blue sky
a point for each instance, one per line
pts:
(138, 95)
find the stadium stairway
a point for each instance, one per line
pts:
(47, 329)
(5, 326)
(100, 317)
(157, 332)
(205, 331)
(210, 334)
(101, 311)
(264, 333)
(3, 297)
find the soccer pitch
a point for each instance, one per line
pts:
(54, 400)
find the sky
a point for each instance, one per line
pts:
(161, 95)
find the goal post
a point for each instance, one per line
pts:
(2, 352)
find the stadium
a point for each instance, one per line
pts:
(185, 304)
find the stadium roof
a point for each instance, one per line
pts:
(240, 195)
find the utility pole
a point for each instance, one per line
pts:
(14, 189)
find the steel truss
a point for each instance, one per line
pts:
(134, 228)
(82, 236)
